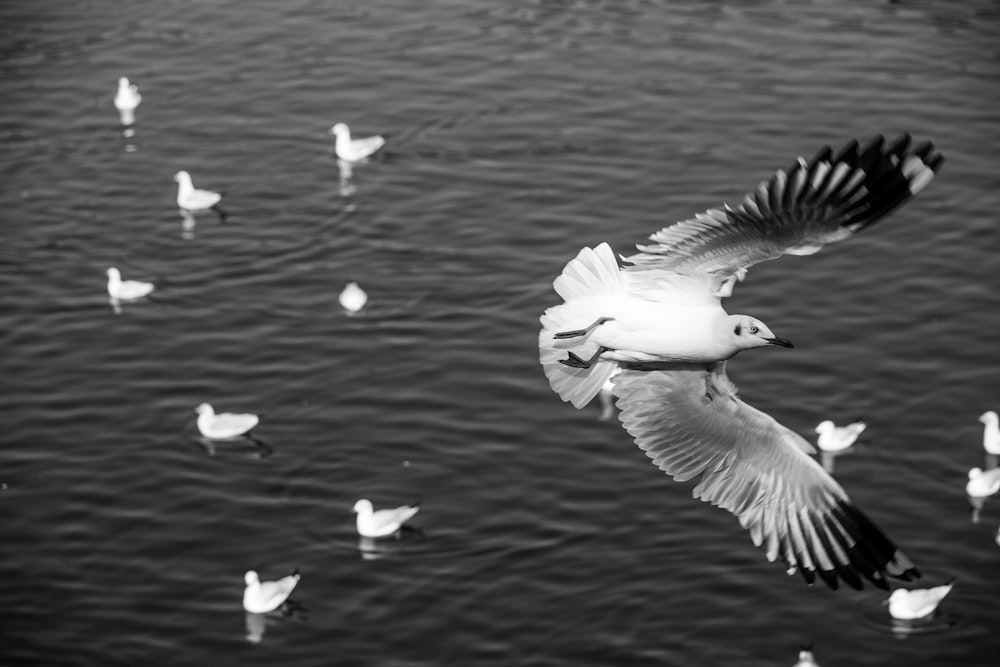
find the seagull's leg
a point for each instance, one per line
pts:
(574, 361)
(582, 332)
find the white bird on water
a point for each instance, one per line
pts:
(983, 483)
(190, 198)
(354, 150)
(660, 318)
(260, 597)
(806, 658)
(126, 290)
(127, 98)
(991, 432)
(907, 605)
(381, 523)
(224, 425)
(352, 298)
(833, 438)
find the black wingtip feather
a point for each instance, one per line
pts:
(885, 184)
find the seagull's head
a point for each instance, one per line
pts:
(251, 578)
(989, 416)
(182, 177)
(114, 274)
(824, 426)
(204, 409)
(340, 129)
(363, 507)
(748, 332)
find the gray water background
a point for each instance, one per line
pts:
(519, 132)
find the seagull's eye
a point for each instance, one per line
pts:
(754, 329)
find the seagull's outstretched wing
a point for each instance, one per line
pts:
(797, 212)
(689, 420)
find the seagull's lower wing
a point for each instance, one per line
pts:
(689, 420)
(797, 211)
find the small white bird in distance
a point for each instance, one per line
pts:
(354, 150)
(190, 198)
(833, 438)
(353, 298)
(126, 290)
(127, 98)
(806, 658)
(381, 523)
(919, 603)
(983, 483)
(224, 425)
(261, 597)
(658, 315)
(991, 432)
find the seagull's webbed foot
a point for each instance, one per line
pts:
(574, 361)
(582, 332)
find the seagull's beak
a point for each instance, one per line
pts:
(783, 342)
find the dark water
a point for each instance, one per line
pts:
(520, 132)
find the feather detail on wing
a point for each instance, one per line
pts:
(797, 211)
(689, 421)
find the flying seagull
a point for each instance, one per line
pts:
(658, 315)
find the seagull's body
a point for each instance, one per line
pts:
(983, 483)
(261, 597)
(354, 150)
(126, 290)
(991, 432)
(191, 198)
(658, 316)
(907, 605)
(352, 298)
(127, 98)
(381, 523)
(833, 438)
(224, 425)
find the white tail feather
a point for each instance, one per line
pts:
(593, 272)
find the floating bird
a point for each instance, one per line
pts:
(983, 483)
(224, 425)
(907, 605)
(659, 317)
(126, 290)
(991, 432)
(126, 100)
(190, 198)
(128, 97)
(354, 150)
(806, 658)
(261, 597)
(834, 438)
(381, 523)
(353, 298)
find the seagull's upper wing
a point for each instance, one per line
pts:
(689, 420)
(797, 211)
